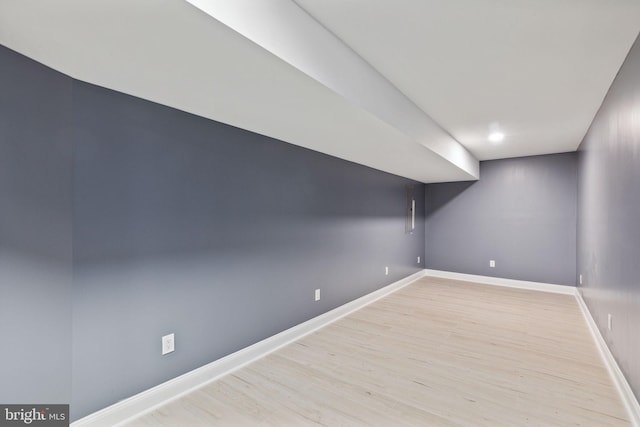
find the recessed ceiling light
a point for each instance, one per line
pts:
(496, 136)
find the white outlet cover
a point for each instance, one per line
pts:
(386, 271)
(609, 321)
(317, 294)
(581, 279)
(168, 344)
(418, 260)
(492, 263)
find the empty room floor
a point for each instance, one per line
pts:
(435, 353)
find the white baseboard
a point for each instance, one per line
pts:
(173, 389)
(618, 378)
(623, 387)
(498, 281)
(148, 400)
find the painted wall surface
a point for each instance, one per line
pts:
(184, 225)
(521, 213)
(35, 232)
(180, 224)
(609, 213)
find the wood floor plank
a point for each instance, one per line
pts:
(438, 352)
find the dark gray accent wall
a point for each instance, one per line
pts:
(123, 220)
(35, 232)
(521, 213)
(609, 213)
(219, 235)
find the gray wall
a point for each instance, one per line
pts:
(180, 224)
(214, 233)
(521, 213)
(35, 232)
(609, 212)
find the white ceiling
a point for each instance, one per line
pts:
(404, 87)
(538, 68)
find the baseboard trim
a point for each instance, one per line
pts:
(498, 281)
(152, 398)
(619, 380)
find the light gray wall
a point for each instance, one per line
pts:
(521, 213)
(35, 232)
(609, 212)
(216, 234)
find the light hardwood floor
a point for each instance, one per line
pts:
(436, 353)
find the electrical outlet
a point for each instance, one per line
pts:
(581, 279)
(492, 263)
(317, 295)
(609, 321)
(168, 344)
(386, 271)
(418, 260)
